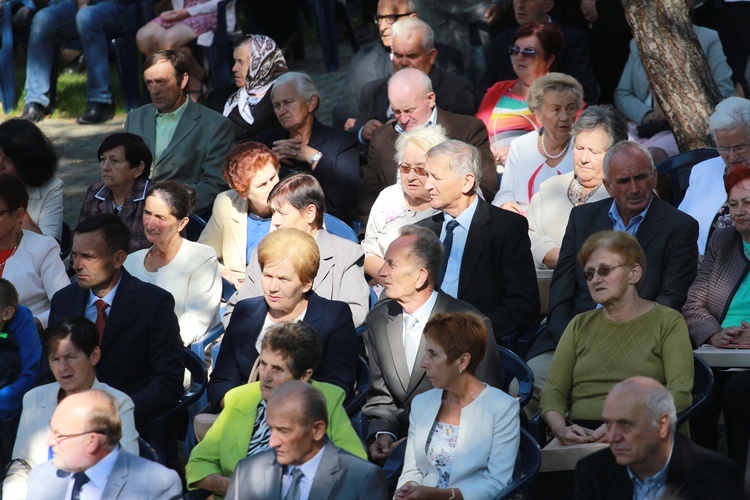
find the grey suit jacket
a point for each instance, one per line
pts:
(340, 475)
(341, 276)
(391, 388)
(132, 478)
(202, 138)
(668, 239)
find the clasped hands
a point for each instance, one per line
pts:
(575, 434)
(732, 337)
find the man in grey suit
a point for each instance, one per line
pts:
(88, 462)
(394, 336)
(188, 141)
(303, 463)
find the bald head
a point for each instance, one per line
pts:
(411, 97)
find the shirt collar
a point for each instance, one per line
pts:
(177, 113)
(107, 298)
(422, 314)
(658, 480)
(465, 217)
(432, 120)
(614, 213)
(99, 473)
(137, 194)
(310, 467)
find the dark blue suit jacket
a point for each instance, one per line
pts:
(141, 347)
(330, 318)
(497, 271)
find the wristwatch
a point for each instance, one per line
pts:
(317, 156)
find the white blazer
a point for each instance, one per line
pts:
(485, 454)
(705, 196)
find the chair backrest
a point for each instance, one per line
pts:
(356, 401)
(674, 173)
(227, 290)
(513, 367)
(394, 465)
(703, 383)
(146, 451)
(66, 241)
(194, 227)
(528, 461)
(336, 226)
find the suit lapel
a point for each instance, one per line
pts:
(315, 314)
(325, 245)
(273, 477)
(255, 318)
(394, 331)
(185, 126)
(120, 309)
(475, 240)
(318, 135)
(434, 223)
(327, 474)
(239, 228)
(650, 225)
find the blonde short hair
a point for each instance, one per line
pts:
(296, 246)
(553, 82)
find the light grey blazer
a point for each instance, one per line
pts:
(341, 276)
(132, 477)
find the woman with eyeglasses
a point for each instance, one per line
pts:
(537, 156)
(626, 336)
(72, 348)
(716, 313)
(534, 52)
(401, 204)
(705, 199)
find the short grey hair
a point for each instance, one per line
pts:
(406, 26)
(464, 158)
(659, 401)
(553, 82)
(305, 86)
(622, 145)
(731, 113)
(611, 121)
(427, 251)
(425, 138)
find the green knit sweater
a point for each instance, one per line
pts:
(594, 354)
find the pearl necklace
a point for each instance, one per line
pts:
(554, 157)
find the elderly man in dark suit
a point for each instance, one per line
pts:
(412, 99)
(303, 464)
(141, 348)
(646, 458)
(574, 55)
(188, 141)
(394, 335)
(90, 426)
(413, 47)
(488, 260)
(668, 238)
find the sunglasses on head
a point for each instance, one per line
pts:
(603, 271)
(514, 50)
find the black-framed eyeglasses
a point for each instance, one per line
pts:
(62, 437)
(514, 50)
(603, 271)
(390, 18)
(738, 149)
(417, 170)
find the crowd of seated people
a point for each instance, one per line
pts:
(416, 165)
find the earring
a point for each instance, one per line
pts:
(460, 371)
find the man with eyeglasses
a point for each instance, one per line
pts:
(666, 235)
(414, 103)
(376, 61)
(574, 55)
(706, 199)
(88, 462)
(394, 336)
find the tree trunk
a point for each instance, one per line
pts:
(676, 67)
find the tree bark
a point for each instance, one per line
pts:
(676, 67)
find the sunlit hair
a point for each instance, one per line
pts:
(298, 344)
(464, 158)
(459, 333)
(425, 138)
(407, 26)
(605, 117)
(624, 145)
(553, 83)
(300, 191)
(179, 198)
(731, 113)
(550, 38)
(619, 243)
(244, 161)
(104, 418)
(734, 177)
(303, 83)
(427, 251)
(312, 403)
(293, 245)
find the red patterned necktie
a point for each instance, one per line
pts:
(101, 318)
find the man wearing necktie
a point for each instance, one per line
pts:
(394, 336)
(303, 463)
(488, 260)
(88, 462)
